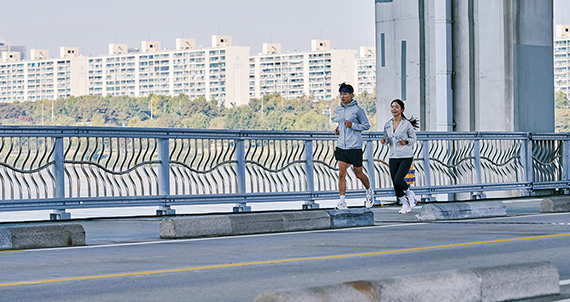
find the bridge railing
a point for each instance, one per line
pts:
(63, 168)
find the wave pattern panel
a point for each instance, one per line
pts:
(110, 166)
(202, 166)
(275, 166)
(25, 168)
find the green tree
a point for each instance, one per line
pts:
(312, 121)
(241, 117)
(560, 100)
(196, 121)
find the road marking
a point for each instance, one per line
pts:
(565, 282)
(206, 267)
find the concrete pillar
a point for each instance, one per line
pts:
(502, 65)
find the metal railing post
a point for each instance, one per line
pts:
(164, 177)
(566, 164)
(427, 171)
(370, 165)
(526, 157)
(309, 171)
(478, 170)
(59, 176)
(240, 174)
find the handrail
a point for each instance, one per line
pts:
(119, 166)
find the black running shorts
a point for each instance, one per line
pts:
(350, 156)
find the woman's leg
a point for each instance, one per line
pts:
(399, 167)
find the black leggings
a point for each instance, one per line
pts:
(399, 167)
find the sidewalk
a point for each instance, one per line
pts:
(139, 229)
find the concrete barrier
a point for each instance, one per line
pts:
(255, 223)
(351, 218)
(510, 282)
(463, 210)
(555, 204)
(41, 236)
(480, 284)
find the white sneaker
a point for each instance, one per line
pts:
(405, 209)
(411, 199)
(341, 205)
(369, 198)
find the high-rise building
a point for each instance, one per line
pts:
(19, 49)
(315, 73)
(41, 78)
(562, 58)
(4, 46)
(366, 70)
(217, 73)
(223, 72)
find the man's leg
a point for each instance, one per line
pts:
(363, 178)
(342, 167)
(366, 182)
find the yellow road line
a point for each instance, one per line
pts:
(275, 261)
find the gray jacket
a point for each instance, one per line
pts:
(351, 138)
(405, 131)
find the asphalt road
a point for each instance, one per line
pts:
(125, 260)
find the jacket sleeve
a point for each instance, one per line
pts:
(386, 136)
(412, 138)
(363, 123)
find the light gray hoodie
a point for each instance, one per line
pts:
(405, 131)
(351, 138)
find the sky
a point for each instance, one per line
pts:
(92, 24)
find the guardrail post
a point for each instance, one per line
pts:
(478, 170)
(59, 176)
(164, 177)
(309, 171)
(526, 158)
(370, 165)
(566, 164)
(427, 171)
(240, 174)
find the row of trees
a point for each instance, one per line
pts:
(272, 112)
(561, 112)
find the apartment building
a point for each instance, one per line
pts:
(217, 73)
(316, 73)
(42, 78)
(562, 58)
(222, 72)
(366, 70)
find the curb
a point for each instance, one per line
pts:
(462, 210)
(41, 236)
(255, 223)
(555, 204)
(497, 283)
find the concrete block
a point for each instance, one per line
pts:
(41, 236)
(498, 283)
(306, 220)
(457, 286)
(463, 210)
(190, 227)
(257, 223)
(341, 292)
(555, 204)
(351, 218)
(518, 281)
